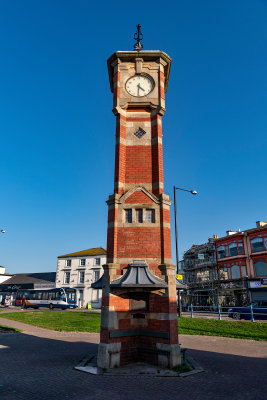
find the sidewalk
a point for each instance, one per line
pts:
(222, 345)
(38, 364)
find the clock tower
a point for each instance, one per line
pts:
(139, 306)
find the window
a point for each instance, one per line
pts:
(129, 216)
(67, 278)
(240, 247)
(57, 296)
(71, 295)
(39, 295)
(139, 215)
(45, 294)
(19, 295)
(230, 249)
(221, 252)
(243, 271)
(97, 261)
(150, 215)
(223, 273)
(235, 272)
(34, 296)
(83, 262)
(68, 263)
(260, 266)
(51, 295)
(96, 275)
(257, 244)
(233, 249)
(95, 295)
(81, 276)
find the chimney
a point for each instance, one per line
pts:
(230, 232)
(213, 238)
(260, 224)
(2, 270)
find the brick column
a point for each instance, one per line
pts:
(170, 308)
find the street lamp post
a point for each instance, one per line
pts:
(194, 192)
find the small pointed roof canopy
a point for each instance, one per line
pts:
(98, 284)
(138, 275)
(180, 285)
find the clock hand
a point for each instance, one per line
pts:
(139, 87)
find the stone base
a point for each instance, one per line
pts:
(108, 355)
(169, 355)
(89, 365)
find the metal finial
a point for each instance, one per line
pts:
(138, 36)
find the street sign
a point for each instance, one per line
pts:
(200, 256)
(179, 277)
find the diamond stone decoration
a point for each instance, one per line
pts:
(139, 133)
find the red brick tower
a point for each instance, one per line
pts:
(139, 312)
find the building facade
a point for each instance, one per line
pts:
(242, 265)
(3, 275)
(79, 270)
(200, 274)
(230, 271)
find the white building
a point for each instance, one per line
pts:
(79, 270)
(3, 275)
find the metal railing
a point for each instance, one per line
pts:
(218, 311)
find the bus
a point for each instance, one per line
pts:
(52, 298)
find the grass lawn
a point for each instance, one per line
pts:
(212, 327)
(89, 322)
(6, 329)
(58, 320)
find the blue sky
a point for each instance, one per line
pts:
(57, 128)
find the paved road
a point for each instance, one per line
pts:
(38, 364)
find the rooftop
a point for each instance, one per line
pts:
(95, 251)
(38, 277)
(260, 226)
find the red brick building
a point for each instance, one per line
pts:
(242, 265)
(139, 308)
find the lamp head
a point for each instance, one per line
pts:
(193, 192)
(3, 231)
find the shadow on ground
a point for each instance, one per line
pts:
(40, 368)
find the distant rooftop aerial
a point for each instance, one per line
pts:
(95, 251)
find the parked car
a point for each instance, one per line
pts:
(259, 309)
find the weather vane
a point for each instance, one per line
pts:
(138, 36)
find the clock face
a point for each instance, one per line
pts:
(139, 85)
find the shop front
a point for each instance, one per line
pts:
(8, 293)
(258, 290)
(232, 294)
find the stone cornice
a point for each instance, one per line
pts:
(131, 56)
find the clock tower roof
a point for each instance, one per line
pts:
(145, 55)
